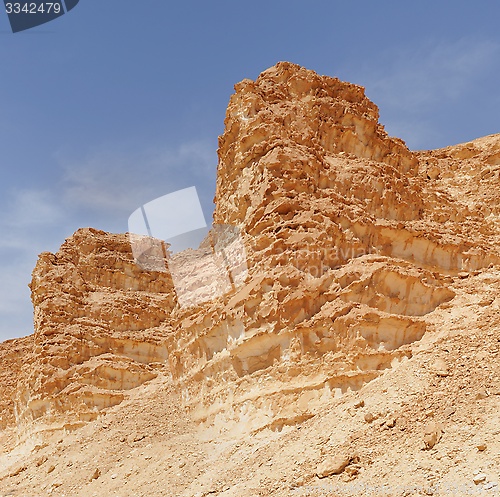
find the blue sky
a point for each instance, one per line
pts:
(119, 101)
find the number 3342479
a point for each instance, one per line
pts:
(33, 8)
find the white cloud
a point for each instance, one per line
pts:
(417, 85)
(416, 78)
(29, 220)
(28, 217)
(109, 184)
(14, 292)
(16, 311)
(117, 183)
(27, 208)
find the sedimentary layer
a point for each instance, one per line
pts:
(351, 243)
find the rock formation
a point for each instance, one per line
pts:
(356, 247)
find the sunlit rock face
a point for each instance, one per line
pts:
(93, 306)
(351, 241)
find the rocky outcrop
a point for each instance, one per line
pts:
(351, 243)
(93, 305)
(13, 354)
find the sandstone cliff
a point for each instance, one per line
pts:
(367, 311)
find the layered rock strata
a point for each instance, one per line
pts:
(351, 241)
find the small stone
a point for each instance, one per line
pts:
(463, 275)
(352, 470)
(51, 468)
(448, 412)
(490, 485)
(481, 446)
(18, 470)
(391, 423)
(356, 435)
(369, 417)
(481, 394)
(359, 403)
(333, 465)
(440, 368)
(432, 434)
(302, 480)
(486, 302)
(114, 476)
(479, 478)
(433, 172)
(96, 474)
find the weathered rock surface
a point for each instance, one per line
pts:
(92, 305)
(366, 261)
(13, 353)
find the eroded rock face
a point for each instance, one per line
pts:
(14, 354)
(351, 243)
(93, 307)
(283, 135)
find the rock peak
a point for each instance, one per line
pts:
(291, 111)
